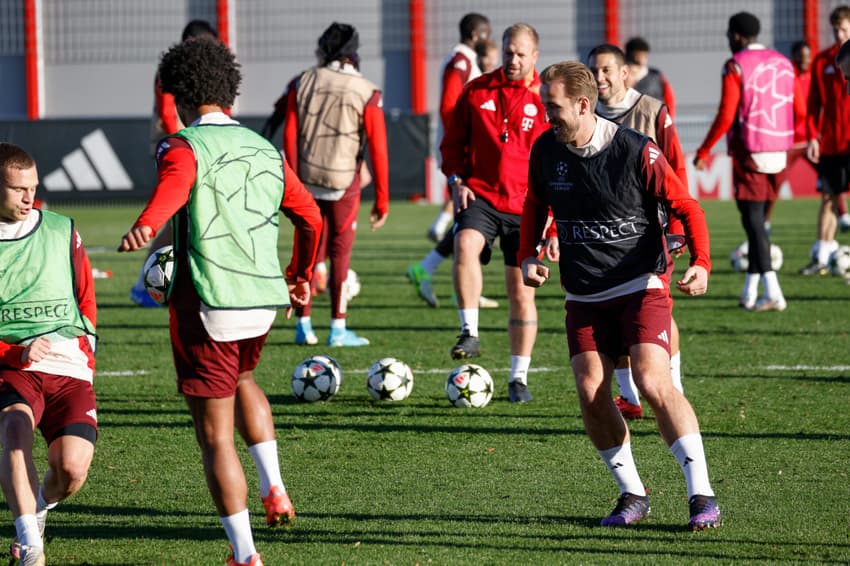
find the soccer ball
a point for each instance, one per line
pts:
(316, 379)
(740, 257)
(389, 379)
(351, 285)
(839, 262)
(469, 385)
(158, 270)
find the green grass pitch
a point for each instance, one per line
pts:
(420, 482)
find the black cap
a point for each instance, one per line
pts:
(337, 41)
(744, 24)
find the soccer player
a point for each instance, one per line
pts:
(225, 184)
(650, 116)
(332, 112)
(485, 157)
(829, 139)
(165, 121)
(646, 79)
(757, 110)
(604, 184)
(460, 68)
(47, 343)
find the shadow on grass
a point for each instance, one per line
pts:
(388, 530)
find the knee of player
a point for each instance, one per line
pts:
(16, 429)
(72, 474)
(469, 242)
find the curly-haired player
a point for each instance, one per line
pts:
(221, 309)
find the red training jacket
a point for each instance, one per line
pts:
(490, 107)
(828, 113)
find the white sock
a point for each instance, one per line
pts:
(26, 527)
(751, 285)
(337, 324)
(519, 368)
(619, 460)
(320, 267)
(628, 389)
(771, 285)
(824, 248)
(431, 262)
(468, 321)
(441, 222)
(676, 371)
(41, 504)
(268, 467)
(689, 452)
(304, 320)
(238, 529)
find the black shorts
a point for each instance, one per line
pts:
(833, 174)
(482, 217)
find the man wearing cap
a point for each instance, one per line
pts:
(756, 113)
(332, 112)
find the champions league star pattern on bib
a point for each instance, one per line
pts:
(261, 159)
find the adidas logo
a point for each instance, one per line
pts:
(654, 152)
(91, 167)
(663, 337)
(489, 105)
(92, 413)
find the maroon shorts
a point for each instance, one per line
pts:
(753, 185)
(612, 327)
(207, 368)
(61, 405)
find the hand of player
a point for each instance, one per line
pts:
(136, 239)
(813, 151)
(462, 195)
(700, 164)
(534, 272)
(553, 249)
(36, 351)
(299, 296)
(377, 218)
(694, 281)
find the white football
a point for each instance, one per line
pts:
(839, 262)
(469, 385)
(158, 271)
(316, 379)
(740, 257)
(389, 379)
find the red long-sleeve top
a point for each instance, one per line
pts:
(801, 104)
(456, 74)
(669, 97)
(10, 354)
(176, 171)
(828, 113)
(375, 128)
